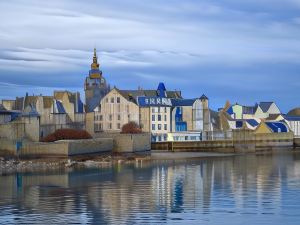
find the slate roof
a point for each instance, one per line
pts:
(131, 95)
(291, 118)
(265, 106)
(249, 109)
(203, 97)
(252, 122)
(183, 102)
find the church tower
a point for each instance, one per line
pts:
(95, 85)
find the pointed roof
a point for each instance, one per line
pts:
(203, 97)
(265, 106)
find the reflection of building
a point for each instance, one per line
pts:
(95, 86)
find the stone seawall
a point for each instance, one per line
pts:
(125, 143)
(241, 144)
(62, 148)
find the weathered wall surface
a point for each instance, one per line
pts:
(7, 147)
(82, 147)
(242, 142)
(129, 142)
(62, 148)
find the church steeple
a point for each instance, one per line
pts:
(95, 64)
(95, 73)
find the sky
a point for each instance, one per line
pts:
(242, 51)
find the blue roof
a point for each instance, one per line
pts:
(239, 124)
(230, 110)
(277, 127)
(252, 122)
(265, 106)
(292, 118)
(161, 90)
(80, 106)
(60, 107)
(249, 109)
(203, 97)
(183, 102)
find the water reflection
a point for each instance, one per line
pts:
(232, 190)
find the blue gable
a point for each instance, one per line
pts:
(161, 89)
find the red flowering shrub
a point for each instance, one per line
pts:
(67, 134)
(131, 128)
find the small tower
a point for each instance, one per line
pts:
(95, 85)
(206, 113)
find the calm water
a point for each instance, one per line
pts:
(233, 190)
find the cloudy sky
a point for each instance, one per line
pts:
(244, 51)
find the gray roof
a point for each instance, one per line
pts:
(131, 95)
(183, 102)
(265, 106)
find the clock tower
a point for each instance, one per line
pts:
(95, 85)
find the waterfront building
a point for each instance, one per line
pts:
(95, 85)
(272, 127)
(163, 113)
(263, 110)
(62, 110)
(17, 125)
(293, 119)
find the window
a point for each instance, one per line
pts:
(159, 126)
(101, 117)
(153, 126)
(128, 116)
(158, 109)
(166, 127)
(153, 117)
(153, 110)
(118, 100)
(110, 126)
(159, 117)
(119, 117)
(119, 126)
(106, 100)
(112, 100)
(165, 117)
(110, 117)
(165, 109)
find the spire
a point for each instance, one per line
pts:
(95, 73)
(95, 64)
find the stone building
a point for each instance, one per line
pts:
(62, 110)
(95, 85)
(155, 111)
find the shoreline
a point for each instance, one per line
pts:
(15, 165)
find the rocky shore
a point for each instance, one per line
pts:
(12, 165)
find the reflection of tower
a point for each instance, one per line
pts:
(206, 113)
(95, 85)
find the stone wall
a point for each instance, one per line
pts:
(242, 142)
(7, 147)
(23, 128)
(62, 148)
(129, 142)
